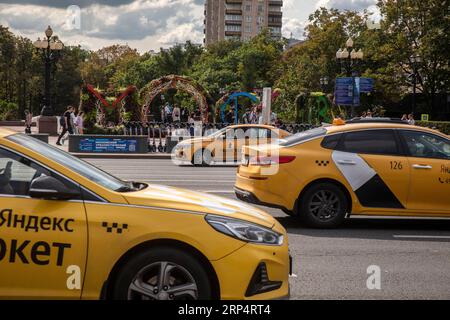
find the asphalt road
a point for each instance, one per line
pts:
(413, 256)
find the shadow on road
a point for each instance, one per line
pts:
(380, 229)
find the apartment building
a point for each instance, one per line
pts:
(241, 19)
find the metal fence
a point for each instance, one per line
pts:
(163, 137)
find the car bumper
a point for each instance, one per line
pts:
(236, 272)
(253, 198)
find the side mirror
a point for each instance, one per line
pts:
(49, 188)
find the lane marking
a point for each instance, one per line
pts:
(405, 236)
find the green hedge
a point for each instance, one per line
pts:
(442, 126)
(8, 111)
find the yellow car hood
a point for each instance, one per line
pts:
(170, 198)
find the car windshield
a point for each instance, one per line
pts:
(81, 167)
(303, 136)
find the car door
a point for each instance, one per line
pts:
(375, 166)
(43, 243)
(429, 162)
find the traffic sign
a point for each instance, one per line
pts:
(425, 117)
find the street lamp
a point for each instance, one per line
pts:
(50, 48)
(415, 61)
(349, 59)
(324, 83)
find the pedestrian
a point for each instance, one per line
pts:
(246, 117)
(79, 122)
(28, 121)
(176, 114)
(66, 124)
(369, 114)
(184, 114)
(411, 120)
(364, 115)
(405, 117)
(229, 117)
(273, 118)
(191, 124)
(168, 113)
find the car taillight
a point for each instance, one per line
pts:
(267, 161)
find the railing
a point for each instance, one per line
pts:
(162, 137)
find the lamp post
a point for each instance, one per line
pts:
(415, 60)
(50, 49)
(348, 59)
(324, 83)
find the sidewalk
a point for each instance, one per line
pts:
(52, 141)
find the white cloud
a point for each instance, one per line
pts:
(357, 5)
(143, 24)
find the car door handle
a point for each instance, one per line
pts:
(422, 166)
(347, 162)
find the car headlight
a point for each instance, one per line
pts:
(245, 231)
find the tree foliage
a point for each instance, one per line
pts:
(409, 28)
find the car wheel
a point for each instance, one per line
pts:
(202, 158)
(162, 274)
(323, 205)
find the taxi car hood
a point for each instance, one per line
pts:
(170, 198)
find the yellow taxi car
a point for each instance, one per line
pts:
(225, 145)
(374, 167)
(70, 230)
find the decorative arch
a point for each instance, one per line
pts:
(100, 104)
(161, 85)
(233, 98)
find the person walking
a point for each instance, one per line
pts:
(28, 121)
(66, 124)
(176, 114)
(411, 120)
(79, 122)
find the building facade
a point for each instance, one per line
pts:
(241, 19)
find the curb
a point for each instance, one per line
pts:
(150, 156)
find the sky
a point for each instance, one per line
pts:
(142, 24)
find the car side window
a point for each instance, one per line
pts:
(380, 141)
(17, 173)
(331, 141)
(425, 145)
(263, 133)
(230, 134)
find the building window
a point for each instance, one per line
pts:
(234, 17)
(232, 28)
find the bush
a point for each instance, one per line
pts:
(8, 111)
(441, 126)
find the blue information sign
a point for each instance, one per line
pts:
(344, 91)
(108, 145)
(348, 90)
(365, 85)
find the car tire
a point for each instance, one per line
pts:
(202, 157)
(139, 278)
(323, 205)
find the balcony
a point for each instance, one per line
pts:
(233, 33)
(276, 3)
(233, 11)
